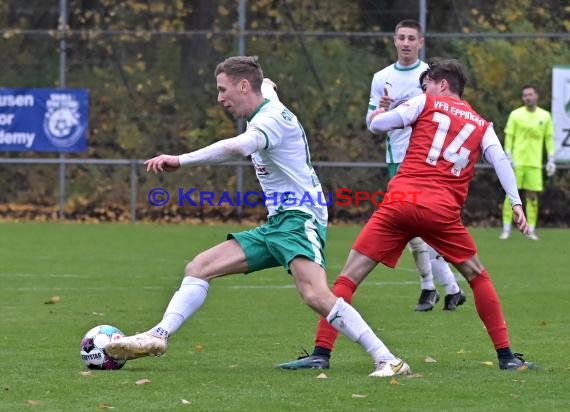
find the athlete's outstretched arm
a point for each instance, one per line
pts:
(221, 151)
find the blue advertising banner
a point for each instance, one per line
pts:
(44, 120)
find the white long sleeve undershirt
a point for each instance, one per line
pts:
(225, 150)
(386, 121)
(496, 156)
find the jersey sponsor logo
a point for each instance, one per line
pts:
(259, 169)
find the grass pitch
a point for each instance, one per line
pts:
(223, 358)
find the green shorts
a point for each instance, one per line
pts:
(529, 178)
(281, 239)
(393, 169)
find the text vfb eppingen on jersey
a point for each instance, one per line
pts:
(342, 197)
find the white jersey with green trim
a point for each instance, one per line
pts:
(401, 83)
(283, 167)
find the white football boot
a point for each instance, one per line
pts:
(391, 368)
(136, 346)
(505, 235)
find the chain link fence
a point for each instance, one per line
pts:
(152, 91)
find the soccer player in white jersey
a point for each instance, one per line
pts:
(293, 236)
(390, 87)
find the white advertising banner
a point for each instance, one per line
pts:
(561, 112)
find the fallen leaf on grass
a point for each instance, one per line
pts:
(429, 359)
(33, 402)
(185, 402)
(86, 373)
(322, 376)
(105, 406)
(519, 380)
(414, 375)
(394, 381)
(53, 300)
(97, 313)
(461, 351)
(488, 363)
(142, 382)
(199, 348)
(358, 395)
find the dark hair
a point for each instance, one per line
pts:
(529, 86)
(242, 67)
(450, 70)
(422, 78)
(410, 24)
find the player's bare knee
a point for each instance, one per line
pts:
(313, 299)
(309, 297)
(470, 268)
(195, 268)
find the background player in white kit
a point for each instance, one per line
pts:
(392, 86)
(293, 236)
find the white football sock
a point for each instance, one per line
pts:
(507, 227)
(187, 300)
(420, 252)
(348, 321)
(442, 272)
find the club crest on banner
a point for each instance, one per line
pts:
(62, 122)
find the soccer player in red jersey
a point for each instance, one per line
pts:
(448, 137)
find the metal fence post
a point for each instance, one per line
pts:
(134, 183)
(241, 124)
(62, 63)
(423, 22)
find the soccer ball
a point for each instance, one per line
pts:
(92, 348)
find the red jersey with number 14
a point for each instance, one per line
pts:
(445, 144)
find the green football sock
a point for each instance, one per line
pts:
(532, 211)
(507, 212)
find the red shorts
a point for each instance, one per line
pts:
(393, 225)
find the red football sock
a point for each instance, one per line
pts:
(489, 309)
(344, 288)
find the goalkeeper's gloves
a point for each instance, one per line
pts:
(550, 167)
